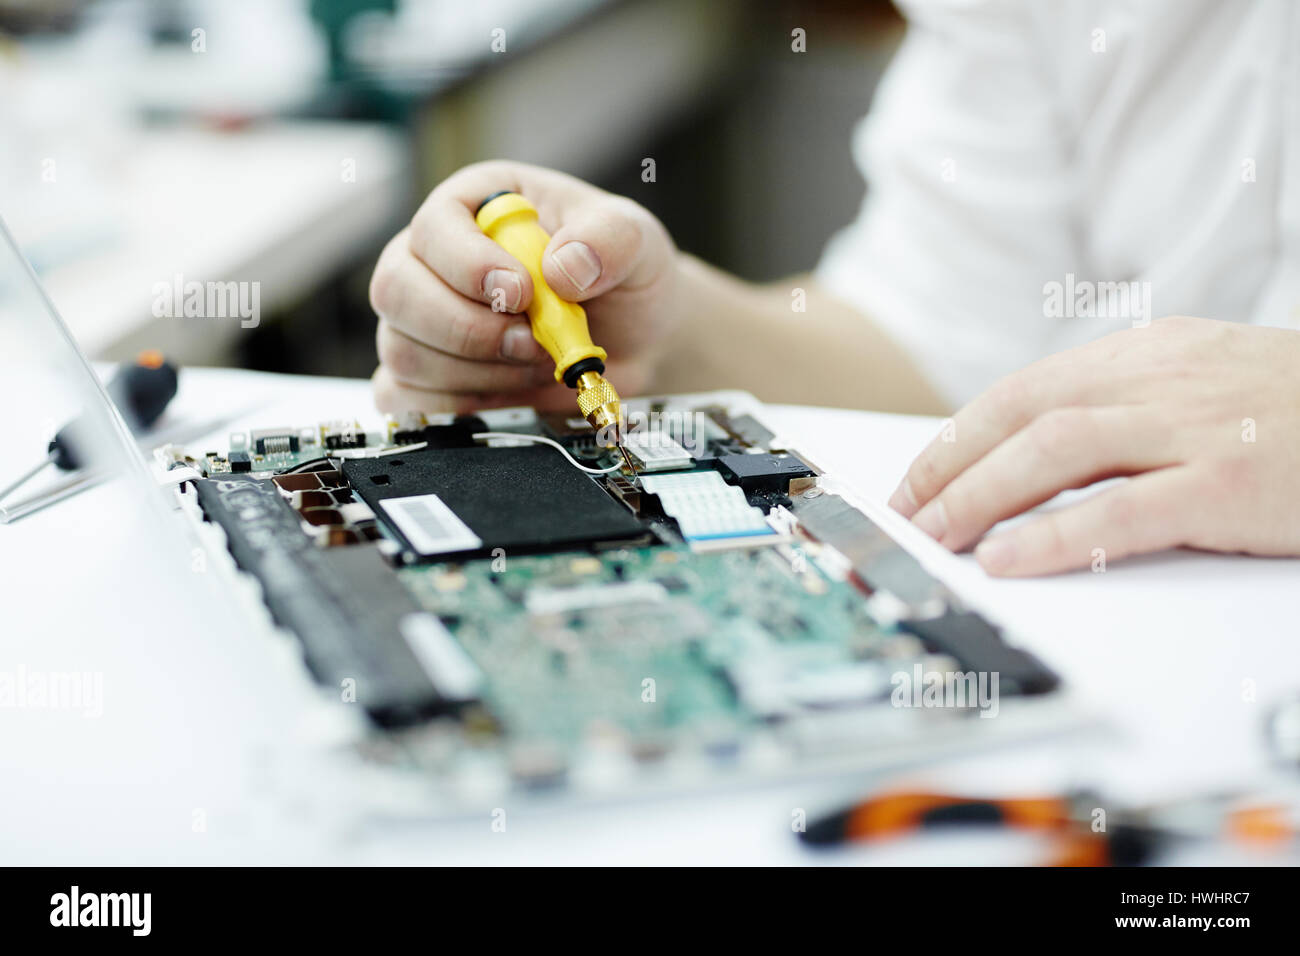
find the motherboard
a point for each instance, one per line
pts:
(502, 591)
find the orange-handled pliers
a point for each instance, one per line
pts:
(1126, 839)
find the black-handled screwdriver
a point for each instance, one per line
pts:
(141, 391)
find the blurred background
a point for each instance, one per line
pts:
(281, 142)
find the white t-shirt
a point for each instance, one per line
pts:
(1025, 157)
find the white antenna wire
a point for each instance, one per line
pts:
(546, 441)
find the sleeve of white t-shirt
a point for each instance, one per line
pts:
(969, 196)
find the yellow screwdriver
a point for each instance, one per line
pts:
(559, 326)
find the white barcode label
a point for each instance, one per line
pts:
(430, 526)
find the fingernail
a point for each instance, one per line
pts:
(578, 263)
(995, 554)
(933, 520)
(518, 343)
(503, 289)
(902, 500)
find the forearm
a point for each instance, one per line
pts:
(735, 334)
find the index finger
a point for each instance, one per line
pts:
(445, 237)
(1067, 378)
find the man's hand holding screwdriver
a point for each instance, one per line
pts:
(452, 331)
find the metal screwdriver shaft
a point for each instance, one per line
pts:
(10, 489)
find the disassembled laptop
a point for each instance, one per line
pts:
(555, 618)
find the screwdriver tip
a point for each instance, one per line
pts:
(630, 467)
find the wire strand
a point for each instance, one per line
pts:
(554, 444)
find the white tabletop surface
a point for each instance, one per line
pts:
(1179, 655)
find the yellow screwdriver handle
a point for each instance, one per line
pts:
(559, 326)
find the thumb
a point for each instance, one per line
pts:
(597, 250)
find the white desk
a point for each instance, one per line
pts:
(1160, 646)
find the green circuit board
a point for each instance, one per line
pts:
(678, 649)
(496, 603)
